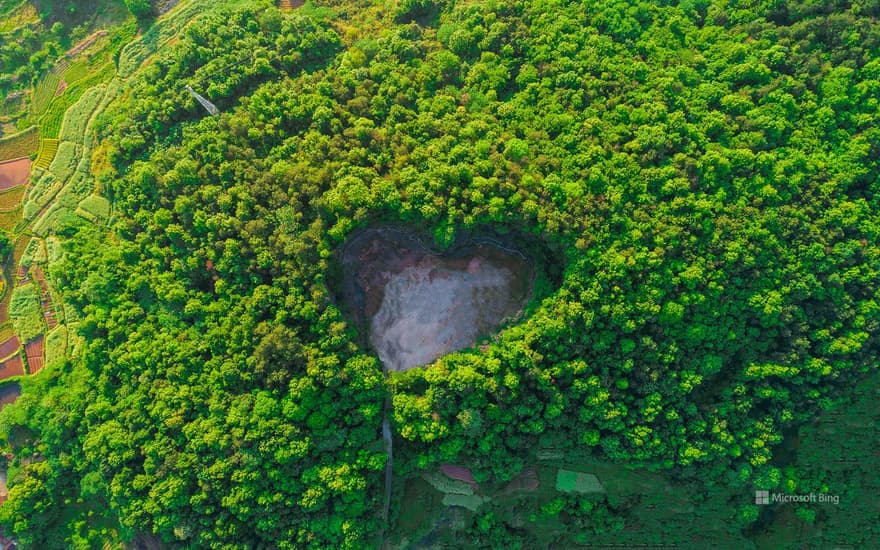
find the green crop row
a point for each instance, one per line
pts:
(77, 116)
(22, 144)
(44, 92)
(50, 182)
(446, 484)
(67, 200)
(135, 52)
(52, 119)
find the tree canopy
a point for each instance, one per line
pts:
(707, 170)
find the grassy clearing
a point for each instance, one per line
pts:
(49, 183)
(48, 149)
(25, 311)
(569, 481)
(11, 198)
(22, 144)
(77, 70)
(94, 208)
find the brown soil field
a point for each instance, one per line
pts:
(11, 199)
(14, 172)
(11, 367)
(9, 347)
(34, 351)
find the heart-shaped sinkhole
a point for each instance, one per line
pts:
(418, 305)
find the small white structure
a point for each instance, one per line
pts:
(211, 108)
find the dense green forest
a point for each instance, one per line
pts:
(706, 172)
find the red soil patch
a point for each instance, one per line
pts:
(290, 4)
(14, 173)
(34, 352)
(22, 275)
(11, 367)
(9, 347)
(526, 481)
(45, 298)
(458, 472)
(62, 85)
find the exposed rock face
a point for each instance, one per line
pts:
(419, 305)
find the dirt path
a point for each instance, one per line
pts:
(79, 48)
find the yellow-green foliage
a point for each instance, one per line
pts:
(94, 208)
(56, 344)
(448, 485)
(48, 148)
(22, 144)
(7, 331)
(25, 311)
(77, 116)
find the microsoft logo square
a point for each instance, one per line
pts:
(762, 497)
